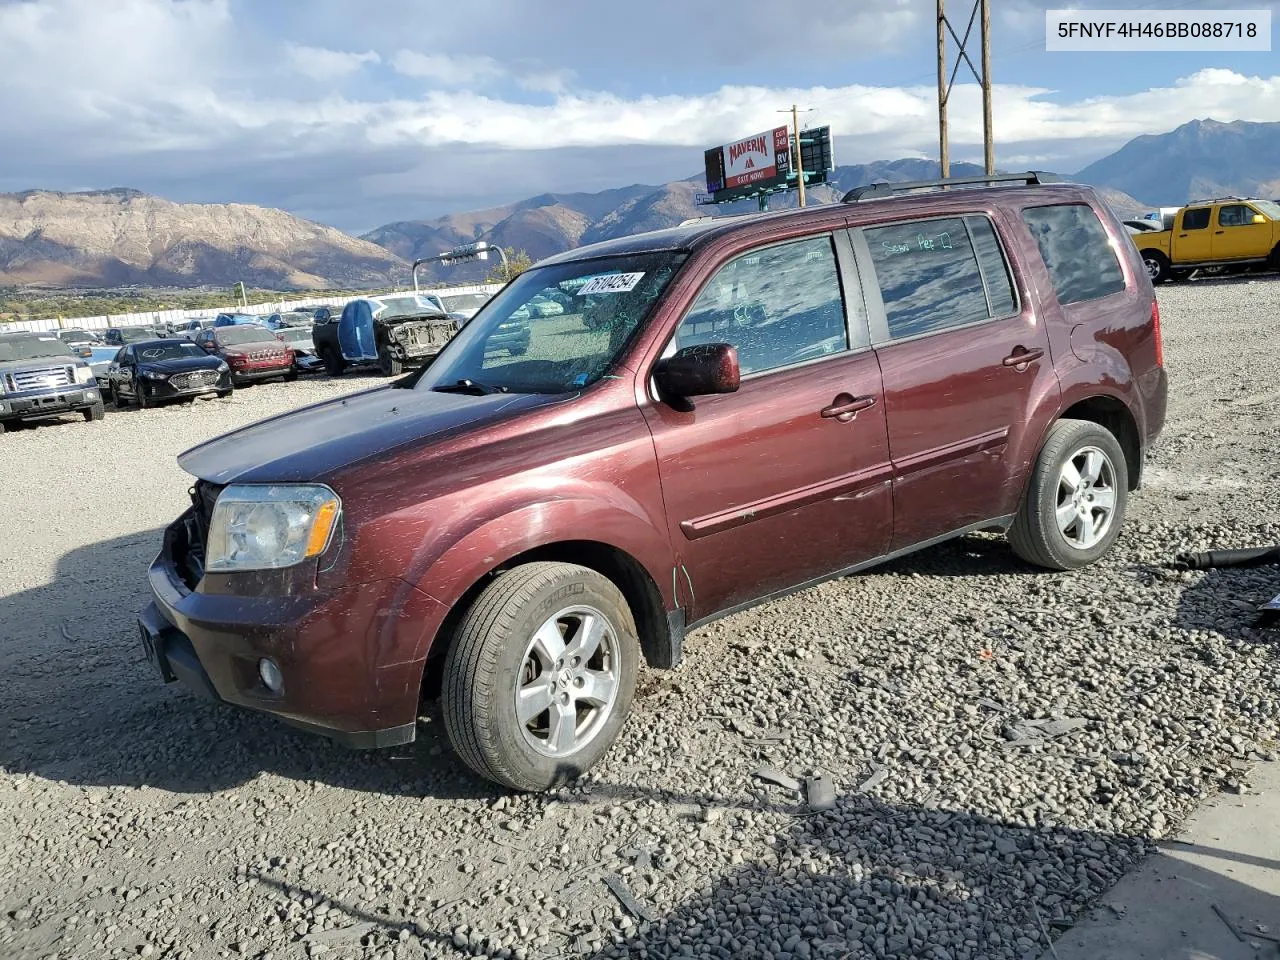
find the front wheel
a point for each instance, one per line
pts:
(1158, 267)
(140, 396)
(116, 399)
(223, 394)
(291, 376)
(334, 365)
(1075, 503)
(389, 365)
(97, 412)
(540, 676)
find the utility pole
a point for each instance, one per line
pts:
(799, 161)
(988, 140)
(944, 147)
(983, 77)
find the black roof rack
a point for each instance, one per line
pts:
(876, 191)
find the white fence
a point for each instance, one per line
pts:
(179, 316)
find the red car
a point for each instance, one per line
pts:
(725, 412)
(251, 351)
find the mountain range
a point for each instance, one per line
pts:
(121, 236)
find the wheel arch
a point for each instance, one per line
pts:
(661, 633)
(1113, 415)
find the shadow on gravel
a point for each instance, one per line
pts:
(82, 705)
(867, 879)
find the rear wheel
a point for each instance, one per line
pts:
(97, 412)
(540, 676)
(223, 394)
(1075, 503)
(1158, 266)
(291, 376)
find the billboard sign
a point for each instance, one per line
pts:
(753, 163)
(759, 157)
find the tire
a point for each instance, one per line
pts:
(140, 397)
(291, 376)
(494, 650)
(334, 365)
(1049, 529)
(97, 412)
(116, 399)
(1273, 259)
(223, 394)
(1158, 267)
(389, 365)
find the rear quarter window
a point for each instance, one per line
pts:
(1076, 251)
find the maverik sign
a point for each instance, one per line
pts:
(758, 161)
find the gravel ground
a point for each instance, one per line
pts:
(1004, 743)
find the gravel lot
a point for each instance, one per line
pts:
(138, 821)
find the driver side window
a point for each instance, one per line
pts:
(778, 305)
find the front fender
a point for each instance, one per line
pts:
(445, 569)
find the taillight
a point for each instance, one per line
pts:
(1155, 328)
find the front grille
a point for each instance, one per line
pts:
(267, 355)
(199, 378)
(40, 378)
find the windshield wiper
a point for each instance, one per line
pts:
(467, 385)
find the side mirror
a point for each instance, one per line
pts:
(699, 370)
(1259, 218)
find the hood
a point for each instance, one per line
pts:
(181, 364)
(313, 443)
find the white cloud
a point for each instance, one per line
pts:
(321, 63)
(447, 70)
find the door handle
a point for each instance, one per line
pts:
(1218, 233)
(845, 407)
(1021, 356)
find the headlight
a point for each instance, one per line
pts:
(84, 374)
(154, 375)
(265, 527)
(222, 366)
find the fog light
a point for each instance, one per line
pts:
(270, 675)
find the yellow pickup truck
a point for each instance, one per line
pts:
(1231, 232)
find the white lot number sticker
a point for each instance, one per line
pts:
(610, 283)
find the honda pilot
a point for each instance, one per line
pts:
(724, 412)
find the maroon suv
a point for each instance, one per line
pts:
(722, 413)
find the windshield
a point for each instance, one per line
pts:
(297, 335)
(555, 329)
(246, 333)
(178, 350)
(132, 334)
(458, 302)
(386, 308)
(32, 348)
(74, 336)
(1268, 207)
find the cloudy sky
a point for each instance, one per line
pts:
(357, 112)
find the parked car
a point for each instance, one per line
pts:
(40, 376)
(324, 314)
(298, 317)
(119, 336)
(391, 331)
(236, 319)
(304, 349)
(99, 361)
(81, 342)
(195, 326)
(1142, 226)
(778, 399)
(251, 351)
(150, 372)
(467, 304)
(1232, 233)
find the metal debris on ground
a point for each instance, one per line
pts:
(774, 775)
(820, 793)
(1227, 920)
(618, 887)
(873, 781)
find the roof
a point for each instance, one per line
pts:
(693, 234)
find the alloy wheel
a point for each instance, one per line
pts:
(1086, 497)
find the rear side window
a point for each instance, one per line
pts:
(1196, 219)
(1077, 251)
(937, 274)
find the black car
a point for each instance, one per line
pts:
(119, 336)
(152, 371)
